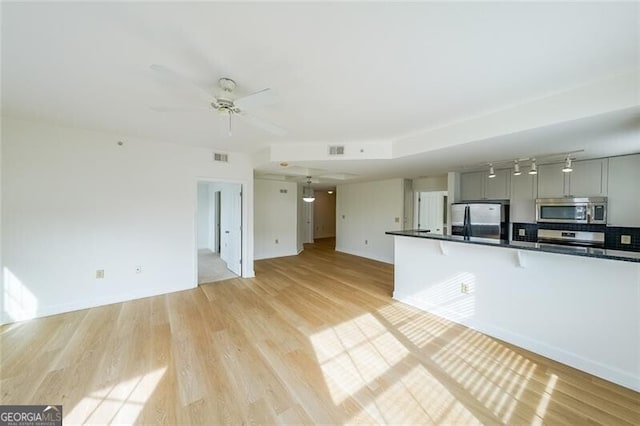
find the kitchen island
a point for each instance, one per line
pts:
(578, 307)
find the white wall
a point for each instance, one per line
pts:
(365, 211)
(75, 201)
(204, 216)
(567, 308)
(431, 183)
(276, 219)
(324, 215)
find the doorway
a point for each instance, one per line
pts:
(219, 231)
(430, 212)
(324, 217)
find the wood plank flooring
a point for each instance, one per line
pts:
(314, 338)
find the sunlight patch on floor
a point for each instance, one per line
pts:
(362, 360)
(541, 410)
(493, 374)
(121, 403)
(19, 303)
(354, 354)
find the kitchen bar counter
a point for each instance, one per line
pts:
(580, 308)
(626, 256)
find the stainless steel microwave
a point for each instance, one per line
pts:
(591, 210)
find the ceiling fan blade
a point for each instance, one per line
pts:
(256, 100)
(179, 108)
(179, 78)
(265, 125)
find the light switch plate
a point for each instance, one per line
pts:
(625, 239)
(521, 232)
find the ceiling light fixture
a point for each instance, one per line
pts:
(567, 165)
(516, 168)
(533, 170)
(492, 173)
(307, 194)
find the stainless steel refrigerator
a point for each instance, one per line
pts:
(480, 219)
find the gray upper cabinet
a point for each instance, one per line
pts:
(588, 179)
(472, 186)
(498, 188)
(478, 185)
(524, 190)
(551, 181)
(624, 191)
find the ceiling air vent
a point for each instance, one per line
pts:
(336, 150)
(220, 157)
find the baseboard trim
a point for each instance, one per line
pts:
(613, 374)
(46, 311)
(365, 255)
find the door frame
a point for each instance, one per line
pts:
(246, 204)
(217, 201)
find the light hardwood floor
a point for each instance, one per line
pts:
(314, 338)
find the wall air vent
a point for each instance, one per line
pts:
(336, 150)
(220, 157)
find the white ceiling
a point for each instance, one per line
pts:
(344, 72)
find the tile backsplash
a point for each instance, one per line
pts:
(614, 235)
(530, 231)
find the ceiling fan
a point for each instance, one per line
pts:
(225, 102)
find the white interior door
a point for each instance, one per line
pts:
(429, 211)
(231, 227)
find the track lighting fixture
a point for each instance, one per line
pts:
(307, 193)
(516, 169)
(492, 173)
(533, 170)
(567, 165)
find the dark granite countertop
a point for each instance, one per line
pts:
(627, 256)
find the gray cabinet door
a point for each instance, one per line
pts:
(588, 178)
(551, 181)
(498, 188)
(472, 186)
(624, 191)
(524, 190)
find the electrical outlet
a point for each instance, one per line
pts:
(625, 239)
(397, 220)
(464, 288)
(100, 273)
(138, 269)
(522, 232)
